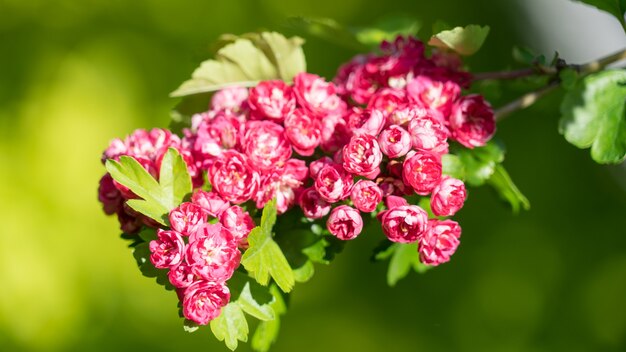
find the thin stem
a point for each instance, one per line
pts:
(504, 74)
(529, 99)
(524, 101)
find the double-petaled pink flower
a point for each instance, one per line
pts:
(439, 242)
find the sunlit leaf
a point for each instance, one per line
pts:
(387, 29)
(157, 197)
(267, 331)
(245, 61)
(264, 258)
(594, 115)
(463, 40)
(480, 163)
(231, 326)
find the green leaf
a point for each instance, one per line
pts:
(453, 166)
(253, 305)
(148, 234)
(594, 115)
(267, 331)
(480, 163)
(387, 29)
(230, 326)
(264, 258)
(158, 198)
(463, 40)
(404, 257)
(141, 253)
(246, 61)
(502, 183)
(568, 78)
(616, 8)
(190, 326)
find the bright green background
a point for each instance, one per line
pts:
(75, 74)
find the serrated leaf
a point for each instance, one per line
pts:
(267, 331)
(616, 8)
(453, 166)
(157, 198)
(594, 115)
(463, 40)
(141, 253)
(254, 306)
(502, 183)
(230, 326)
(264, 258)
(404, 257)
(480, 163)
(245, 61)
(387, 29)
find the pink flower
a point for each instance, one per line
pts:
(405, 223)
(388, 100)
(303, 131)
(312, 204)
(230, 98)
(109, 195)
(282, 184)
(265, 145)
(216, 135)
(366, 121)
(211, 202)
(203, 301)
(394, 141)
(345, 222)
(316, 95)
(472, 122)
(422, 171)
(335, 133)
(187, 218)
(212, 253)
(362, 156)
(406, 114)
(151, 145)
(428, 133)
(448, 197)
(272, 99)
(355, 82)
(238, 222)
(432, 94)
(115, 149)
(333, 183)
(366, 195)
(318, 164)
(167, 250)
(439, 242)
(232, 178)
(181, 275)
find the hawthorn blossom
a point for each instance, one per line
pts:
(472, 122)
(433, 94)
(316, 95)
(238, 221)
(272, 99)
(429, 133)
(439, 242)
(211, 202)
(422, 171)
(333, 183)
(265, 145)
(229, 98)
(232, 178)
(167, 250)
(345, 223)
(212, 253)
(394, 141)
(187, 218)
(366, 195)
(312, 204)
(362, 156)
(405, 223)
(203, 301)
(448, 197)
(303, 131)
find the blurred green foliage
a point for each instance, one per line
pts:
(75, 74)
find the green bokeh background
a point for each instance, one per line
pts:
(75, 74)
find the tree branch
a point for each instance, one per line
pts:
(529, 99)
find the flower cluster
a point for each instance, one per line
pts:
(367, 143)
(200, 256)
